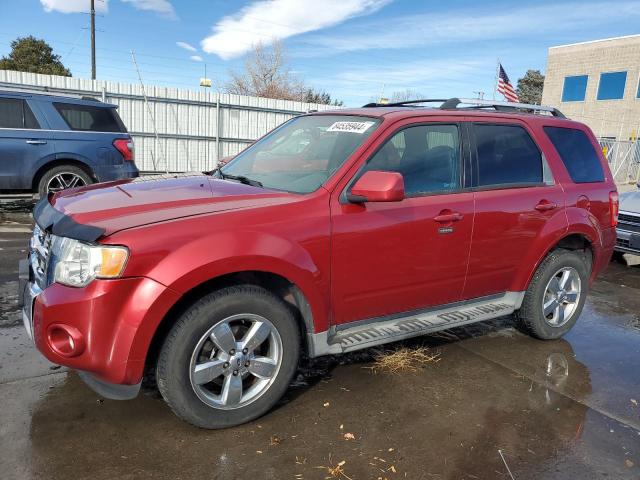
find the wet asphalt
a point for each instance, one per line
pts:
(498, 405)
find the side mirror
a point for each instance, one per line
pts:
(377, 186)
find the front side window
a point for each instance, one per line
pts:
(303, 153)
(574, 88)
(90, 119)
(506, 156)
(15, 113)
(611, 86)
(577, 154)
(427, 156)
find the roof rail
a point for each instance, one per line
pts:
(35, 89)
(474, 103)
(453, 103)
(406, 103)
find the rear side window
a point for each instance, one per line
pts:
(15, 113)
(427, 156)
(89, 118)
(577, 154)
(506, 156)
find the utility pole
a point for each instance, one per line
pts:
(93, 40)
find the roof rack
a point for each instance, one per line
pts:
(39, 90)
(474, 104)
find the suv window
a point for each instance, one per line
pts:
(506, 156)
(89, 118)
(427, 156)
(577, 154)
(15, 113)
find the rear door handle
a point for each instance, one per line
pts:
(449, 217)
(36, 142)
(545, 205)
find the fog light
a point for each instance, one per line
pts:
(65, 340)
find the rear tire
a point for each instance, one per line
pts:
(556, 295)
(62, 177)
(209, 370)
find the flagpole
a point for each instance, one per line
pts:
(495, 80)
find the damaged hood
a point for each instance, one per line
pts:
(115, 206)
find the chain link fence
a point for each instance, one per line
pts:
(624, 159)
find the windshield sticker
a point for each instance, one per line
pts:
(351, 127)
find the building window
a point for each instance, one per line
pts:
(574, 88)
(638, 94)
(611, 85)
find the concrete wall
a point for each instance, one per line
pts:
(194, 128)
(607, 118)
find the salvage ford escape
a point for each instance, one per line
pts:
(337, 231)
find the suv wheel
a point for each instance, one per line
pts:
(556, 295)
(62, 177)
(229, 358)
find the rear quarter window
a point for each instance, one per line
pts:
(577, 154)
(89, 118)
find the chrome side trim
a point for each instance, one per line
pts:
(391, 330)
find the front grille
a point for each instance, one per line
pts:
(39, 254)
(629, 218)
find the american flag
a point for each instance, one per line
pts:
(505, 87)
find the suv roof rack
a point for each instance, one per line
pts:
(474, 103)
(41, 90)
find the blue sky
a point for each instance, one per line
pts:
(350, 48)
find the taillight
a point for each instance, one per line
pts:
(614, 207)
(125, 147)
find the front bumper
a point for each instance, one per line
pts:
(114, 319)
(627, 241)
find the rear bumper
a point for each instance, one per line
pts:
(109, 173)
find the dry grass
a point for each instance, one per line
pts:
(404, 360)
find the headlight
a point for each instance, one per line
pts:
(76, 264)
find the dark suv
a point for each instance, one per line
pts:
(50, 142)
(337, 231)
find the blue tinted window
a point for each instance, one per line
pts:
(611, 85)
(638, 95)
(574, 88)
(577, 154)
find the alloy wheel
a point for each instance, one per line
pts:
(64, 180)
(561, 296)
(236, 361)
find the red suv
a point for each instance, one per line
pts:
(337, 231)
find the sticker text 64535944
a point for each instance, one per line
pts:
(350, 127)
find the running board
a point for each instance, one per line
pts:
(398, 327)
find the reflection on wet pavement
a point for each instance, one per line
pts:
(562, 409)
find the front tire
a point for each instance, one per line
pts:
(556, 295)
(229, 358)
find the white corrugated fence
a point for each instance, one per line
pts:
(178, 130)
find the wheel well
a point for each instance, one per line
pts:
(576, 241)
(280, 286)
(56, 163)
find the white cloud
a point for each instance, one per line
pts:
(265, 20)
(187, 46)
(196, 58)
(162, 7)
(72, 6)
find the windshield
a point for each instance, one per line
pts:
(303, 153)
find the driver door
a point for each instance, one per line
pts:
(392, 257)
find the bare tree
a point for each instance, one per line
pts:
(266, 74)
(406, 95)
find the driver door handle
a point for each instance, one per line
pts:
(36, 142)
